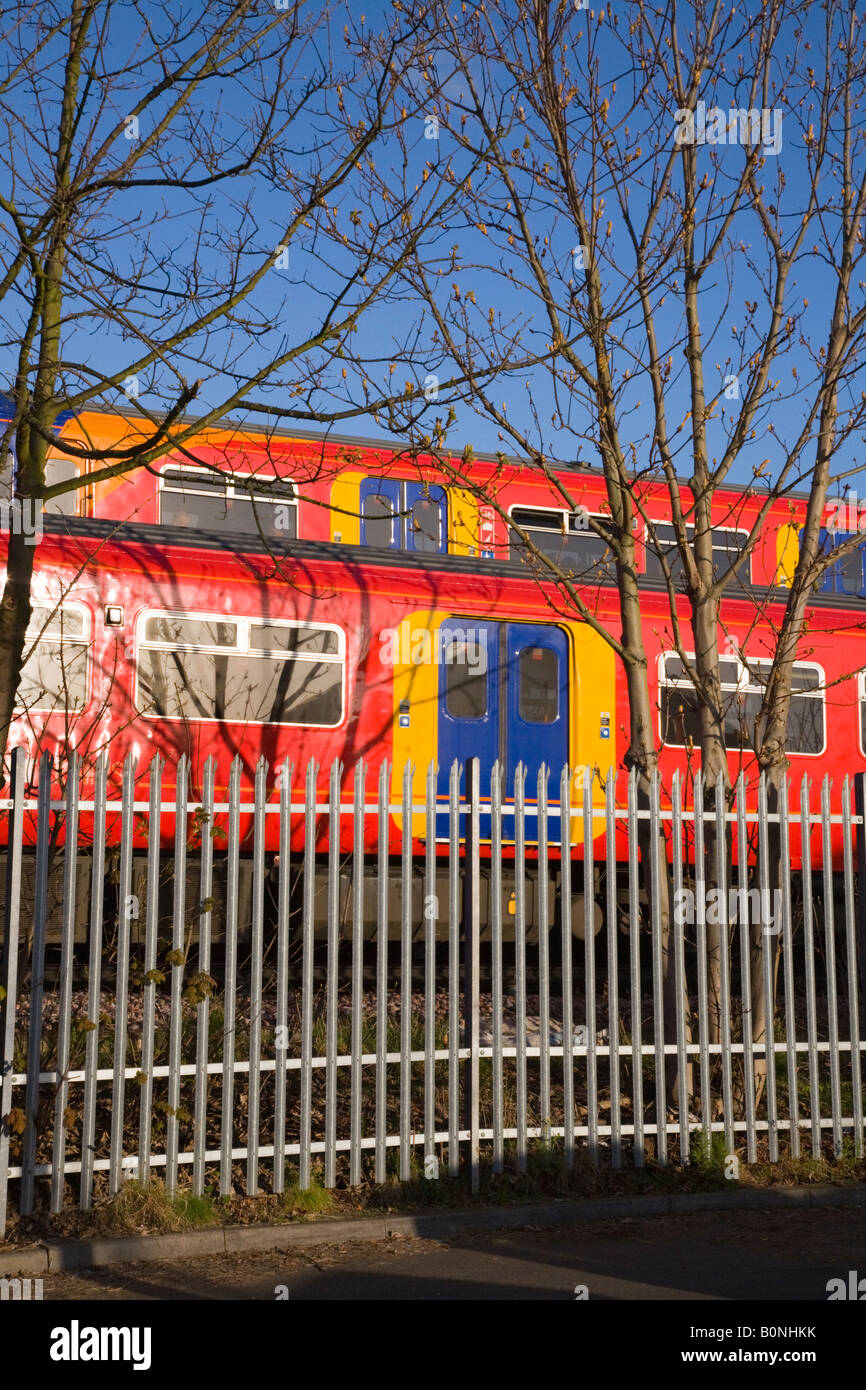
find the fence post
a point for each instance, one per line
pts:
(472, 967)
(860, 810)
(9, 966)
(406, 928)
(64, 1024)
(37, 985)
(121, 986)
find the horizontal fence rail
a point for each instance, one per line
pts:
(346, 976)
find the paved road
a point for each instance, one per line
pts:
(710, 1255)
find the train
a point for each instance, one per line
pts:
(287, 597)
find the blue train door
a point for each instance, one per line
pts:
(536, 712)
(469, 707)
(503, 693)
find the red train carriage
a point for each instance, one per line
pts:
(324, 652)
(286, 598)
(285, 486)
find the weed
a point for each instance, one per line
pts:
(315, 1200)
(708, 1155)
(148, 1207)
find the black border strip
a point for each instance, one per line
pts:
(236, 543)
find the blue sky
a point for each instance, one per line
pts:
(290, 299)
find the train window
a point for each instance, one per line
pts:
(743, 686)
(193, 632)
(675, 669)
(538, 686)
(661, 541)
(378, 521)
(466, 680)
(250, 504)
(60, 470)
(266, 506)
(54, 675)
(861, 686)
(426, 524)
(399, 515)
(275, 637)
(851, 566)
(57, 622)
(845, 575)
(256, 672)
(568, 541)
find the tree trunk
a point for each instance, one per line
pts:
(714, 768)
(15, 610)
(642, 755)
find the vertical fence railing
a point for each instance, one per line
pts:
(635, 1000)
(520, 962)
(306, 1047)
(851, 951)
(809, 963)
(64, 988)
(497, 997)
(431, 915)
(406, 975)
(121, 986)
(94, 981)
(788, 972)
(590, 988)
(202, 1023)
(748, 1022)
(719, 936)
(9, 956)
(356, 1044)
(454, 922)
(229, 1041)
(472, 972)
(678, 966)
(332, 974)
(37, 979)
(381, 1121)
(281, 1013)
(148, 987)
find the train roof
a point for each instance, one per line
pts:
(386, 445)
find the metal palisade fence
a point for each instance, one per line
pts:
(220, 993)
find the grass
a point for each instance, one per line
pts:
(148, 1208)
(708, 1154)
(316, 1200)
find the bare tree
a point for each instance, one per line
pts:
(184, 203)
(654, 193)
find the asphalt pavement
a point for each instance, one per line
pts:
(746, 1255)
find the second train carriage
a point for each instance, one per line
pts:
(284, 485)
